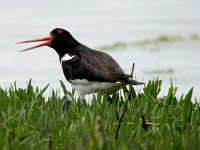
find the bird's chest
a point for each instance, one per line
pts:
(69, 64)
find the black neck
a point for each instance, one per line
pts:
(66, 46)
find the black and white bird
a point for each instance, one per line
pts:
(88, 70)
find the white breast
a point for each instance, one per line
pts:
(86, 87)
(66, 57)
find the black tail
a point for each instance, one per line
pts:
(134, 82)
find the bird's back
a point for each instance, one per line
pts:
(101, 65)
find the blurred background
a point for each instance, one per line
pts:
(161, 37)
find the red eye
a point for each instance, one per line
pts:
(59, 31)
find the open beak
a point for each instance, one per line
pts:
(47, 43)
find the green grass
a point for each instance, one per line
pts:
(29, 121)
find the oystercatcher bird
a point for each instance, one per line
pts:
(88, 70)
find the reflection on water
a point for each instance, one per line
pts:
(101, 23)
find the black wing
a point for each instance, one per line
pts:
(93, 66)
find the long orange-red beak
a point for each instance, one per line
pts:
(47, 43)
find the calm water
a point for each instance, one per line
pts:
(96, 23)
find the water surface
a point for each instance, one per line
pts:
(97, 23)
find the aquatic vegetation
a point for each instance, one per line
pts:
(163, 39)
(195, 37)
(161, 71)
(116, 45)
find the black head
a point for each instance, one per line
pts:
(62, 40)
(59, 39)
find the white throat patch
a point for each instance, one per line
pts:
(66, 57)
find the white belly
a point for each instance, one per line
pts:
(85, 87)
